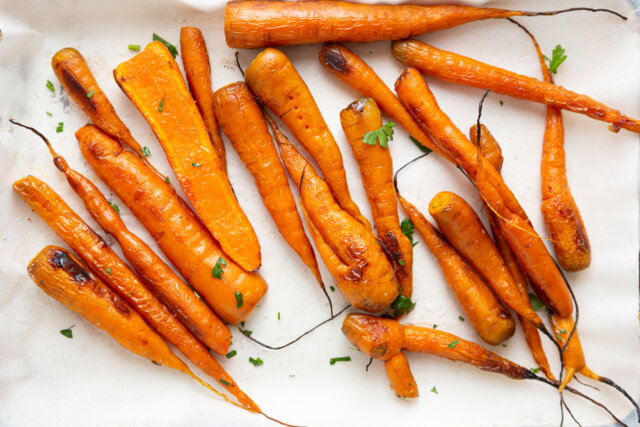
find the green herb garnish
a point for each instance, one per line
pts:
(383, 135)
(402, 305)
(134, 47)
(108, 270)
(223, 382)
(460, 318)
(247, 332)
(407, 228)
(50, 86)
(90, 93)
(230, 354)
(67, 332)
(238, 297)
(501, 103)
(434, 390)
(278, 315)
(454, 343)
(146, 151)
(401, 262)
(196, 164)
(421, 147)
(332, 288)
(536, 304)
(435, 326)
(166, 179)
(333, 360)
(557, 58)
(172, 48)
(115, 207)
(256, 362)
(49, 114)
(535, 370)
(217, 272)
(60, 127)
(161, 105)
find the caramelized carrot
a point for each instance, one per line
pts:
(347, 247)
(376, 170)
(275, 81)
(252, 24)
(158, 276)
(491, 320)
(514, 226)
(400, 376)
(462, 227)
(95, 252)
(195, 60)
(242, 121)
(357, 74)
(489, 147)
(459, 69)
(153, 82)
(175, 228)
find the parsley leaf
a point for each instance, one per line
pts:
(452, 344)
(278, 315)
(223, 382)
(256, 362)
(60, 127)
(421, 147)
(115, 207)
(383, 135)
(461, 318)
(434, 390)
(90, 93)
(196, 164)
(407, 228)
(67, 332)
(172, 48)
(557, 58)
(536, 304)
(146, 151)
(402, 305)
(108, 271)
(332, 288)
(134, 47)
(231, 354)
(333, 360)
(217, 271)
(50, 86)
(239, 301)
(161, 105)
(535, 370)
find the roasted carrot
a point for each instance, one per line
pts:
(95, 252)
(242, 121)
(348, 248)
(185, 241)
(464, 230)
(514, 226)
(559, 209)
(154, 273)
(491, 320)
(376, 170)
(356, 73)
(459, 69)
(489, 147)
(153, 82)
(63, 277)
(275, 81)
(195, 60)
(252, 24)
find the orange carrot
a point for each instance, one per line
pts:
(400, 376)
(376, 170)
(491, 320)
(489, 147)
(158, 276)
(527, 246)
(347, 247)
(356, 73)
(459, 69)
(233, 293)
(252, 24)
(114, 272)
(242, 121)
(275, 81)
(197, 68)
(153, 82)
(462, 227)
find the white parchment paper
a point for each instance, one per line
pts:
(49, 380)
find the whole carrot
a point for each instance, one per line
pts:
(63, 277)
(252, 24)
(357, 74)
(514, 225)
(347, 247)
(462, 227)
(242, 121)
(275, 81)
(376, 170)
(158, 276)
(153, 82)
(491, 320)
(229, 290)
(197, 68)
(114, 272)
(459, 69)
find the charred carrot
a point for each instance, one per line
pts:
(463, 228)
(357, 74)
(197, 68)
(114, 272)
(242, 121)
(275, 81)
(158, 276)
(489, 147)
(376, 170)
(229, 290)
(491, 320)
(347, 247)
(527, 246)
(459, 69)
(154, 84)
(252, 24)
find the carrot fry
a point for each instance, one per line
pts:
(462, 227)
(114, 272)
(376, 170)
(356, 73)
(175, 228)
(491, 320)
(158, 276)
(242, 121)
(252, 24)
(275, 81)
(154, 84)
(197, 68)
(514, 225)
(459, 69)
(348, 248)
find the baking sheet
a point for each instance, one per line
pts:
(49, 380)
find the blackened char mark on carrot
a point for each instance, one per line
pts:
(78, 92)
(60, 259)
(334, 59)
